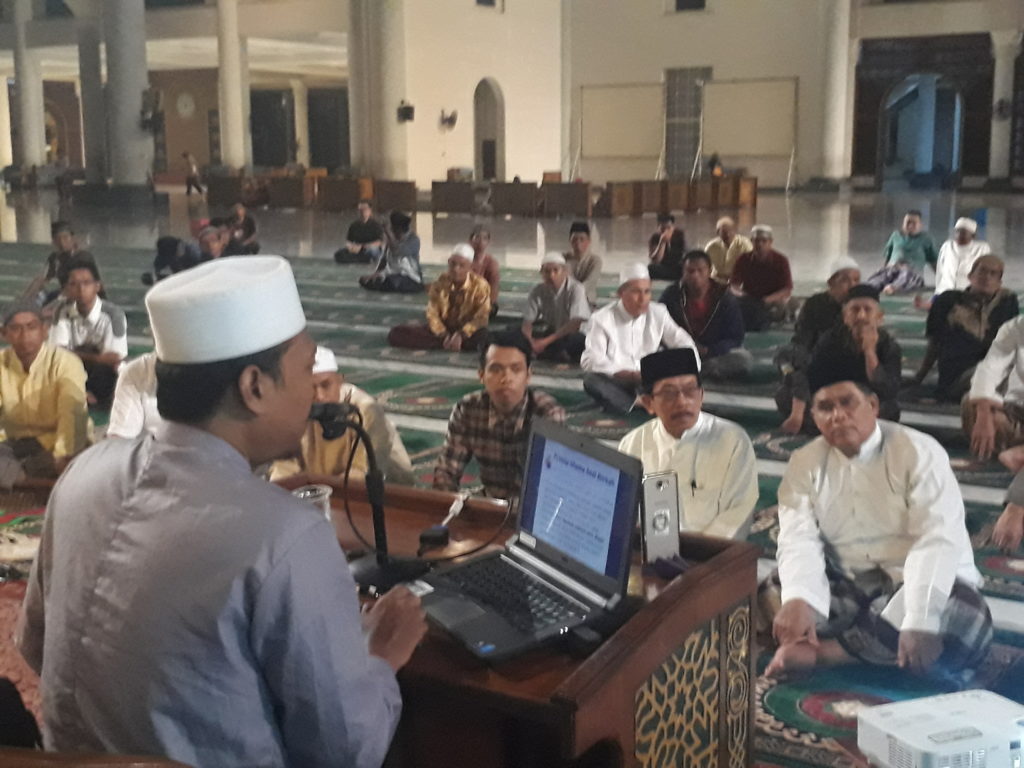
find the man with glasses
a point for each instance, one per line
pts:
(875, 564)
(713, 458)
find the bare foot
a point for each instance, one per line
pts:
(792, 657)
(1013, 458)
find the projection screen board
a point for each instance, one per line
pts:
(752, 118)
(623, 120)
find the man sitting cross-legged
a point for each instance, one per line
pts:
(726, 249)
(620, 335)
(43, 415)
(762, 281)
(93, 328)
(710, 313)
(583, 263)
(875, 564)
(325, 461)
(493, 425)
(713, 459)
(992, 412)
(458, 309)
(555, 310)
(962, 325)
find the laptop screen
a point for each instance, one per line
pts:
(579, 501)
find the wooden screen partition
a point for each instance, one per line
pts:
(726, 191)
(451, 197)
(223, 191)
(566, 200)
(336, 194)
(678, 195)
(653, 196)
(292, 191)
(394, 196)
(748, 192)
(624, 198)
(515, 199)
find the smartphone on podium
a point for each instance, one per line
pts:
(659, 516)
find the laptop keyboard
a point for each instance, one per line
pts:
(525, 602)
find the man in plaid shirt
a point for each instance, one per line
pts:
(493, 425)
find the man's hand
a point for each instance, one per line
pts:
(795, 623)
(453, 342)
(394, 625)
(867, 337)
(1009, 529)
(632, 377)
(918, 651)
(983, 436)
(539, 345)
(792, 425)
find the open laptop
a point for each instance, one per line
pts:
(568, 561)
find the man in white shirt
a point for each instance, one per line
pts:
(92, 328)
(555, 311)
(620, 335)
(713, 459)
(875, 564)
(957, 255)
(134, 410)
(993, 415)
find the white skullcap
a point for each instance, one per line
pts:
(553, 257)
(843, 263)
(761, 229)
(223, 309)
(633, 272)
(325, 361)
(965, 223)
(463, 251)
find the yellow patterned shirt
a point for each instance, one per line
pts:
(465, 310)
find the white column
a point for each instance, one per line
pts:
(1006, 46)
(6, 148)
(924, 151)
(358, 108)
(94, 116)
(29, 83)
(300, 95)
(232, 111)
(243, 49)
(124, 27)
(835, 138)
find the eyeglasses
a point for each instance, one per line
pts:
(846, 403)
(671, 394)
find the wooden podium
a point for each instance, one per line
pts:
(672, 687)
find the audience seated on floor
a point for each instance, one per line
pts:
(874, 561)
(962, 325)
(458, 310)
(859, 348)
(484, 264)
(493, 425)
(326, 461)
(225, 602)
(957, 255)
(666, 249)
(584, 264)
(620, 335)
(65, 248)
(906, 254)
(364, 240)
(762, 281)
(398, 270)
(172, 256)
(725, 249)
(713, 459)
(555, 312)
(710, 313)
(211, 243)
(93, 328)
(43, 415)
(134, 409)
(241, 227)
(993, 410)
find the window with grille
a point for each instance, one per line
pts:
(684, 102)
(690, 5)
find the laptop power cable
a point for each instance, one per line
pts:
(438, 536)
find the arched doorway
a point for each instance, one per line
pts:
(489, 131)
(922, 132)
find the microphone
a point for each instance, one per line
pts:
(335, 418)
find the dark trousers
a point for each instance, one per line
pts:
(419, 336)
(611, 394)
(390, 284)
(193, 181)
(568, 349)
(100, 381)
(663, 272)
(362, 256)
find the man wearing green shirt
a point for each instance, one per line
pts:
(905, 256)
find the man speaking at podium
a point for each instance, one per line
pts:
(180, 605)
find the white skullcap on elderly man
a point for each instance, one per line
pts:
(969, 225)
(842, 264)
(463, 251)
(633, 272)
(224, 309)
(553, 257)
(325, 361)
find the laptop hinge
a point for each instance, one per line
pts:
(560, 578)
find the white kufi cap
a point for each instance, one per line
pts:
(223, 309)
(463, 251)
(553, 257)
(965, 223)
(633, 272)
(325, 361)
(843, 263)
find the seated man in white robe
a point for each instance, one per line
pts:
(875, 564)
(713, 459)
(325, 461)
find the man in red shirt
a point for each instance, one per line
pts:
(762, 281)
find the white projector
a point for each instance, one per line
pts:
(968, 729)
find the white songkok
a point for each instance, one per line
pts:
(325, 361)
(633, 272)
(553, 257)
(965, 223)
(463, 251)
(223, 309)
(841, 264)
(761, 229)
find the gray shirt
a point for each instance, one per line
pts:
(556, 308)
(181, 606)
